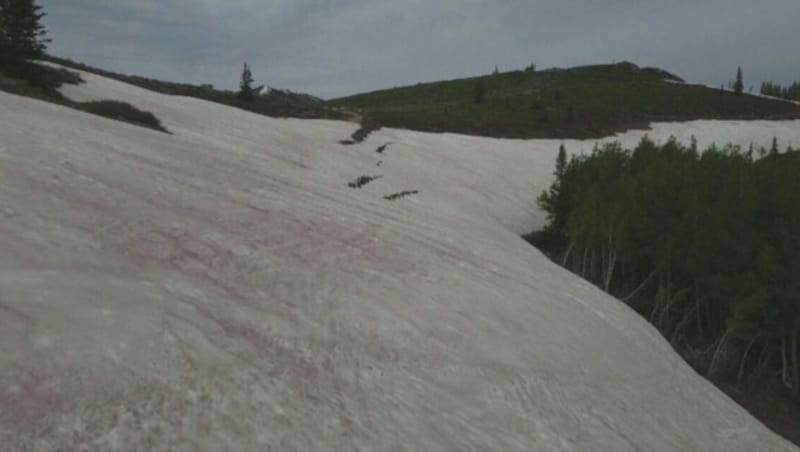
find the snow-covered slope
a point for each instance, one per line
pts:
(222, 288)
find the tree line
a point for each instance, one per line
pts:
(791, 92)
(705, 245)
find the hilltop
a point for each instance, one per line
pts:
(582, 102)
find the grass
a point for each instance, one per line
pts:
(274, 103)
(583, 102)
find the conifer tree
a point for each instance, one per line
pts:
(738, 86)
(246, 84)
(774, 149)
(246, 90)
(561, 163)
(22, 36)
(554, 200)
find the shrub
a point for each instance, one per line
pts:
(399, 195)
(122, 111)
(362, 181)
(368, 126)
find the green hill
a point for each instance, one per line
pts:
(582, 102)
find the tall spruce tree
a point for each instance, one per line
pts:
(774, 149)
(246, 90)
(246, 84)
(738, 86)
(555, 202)
(22, 35)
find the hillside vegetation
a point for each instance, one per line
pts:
(582, 102)
(703, 245)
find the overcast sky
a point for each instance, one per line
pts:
(336, 47)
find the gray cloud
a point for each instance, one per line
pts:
(337, 47)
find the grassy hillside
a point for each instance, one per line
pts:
(274, 102)
(583, 102)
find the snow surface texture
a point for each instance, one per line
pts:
(222, 288)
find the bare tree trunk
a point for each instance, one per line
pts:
(760, 362)
(794, 358)
(641, 286)
(784, 360)
(656, 302)
(603, 266)
(700, 320)
(743, 362)
(687, 316)
(665, 312)
(612, 261)
(717, 353)
(712, 320)
(583, 263)
(567, 253)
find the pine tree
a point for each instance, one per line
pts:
(22, 36)
(246, 84)
(561, 163)
(246, 90)
(774, 149)
(738, 86)
(554, 200)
